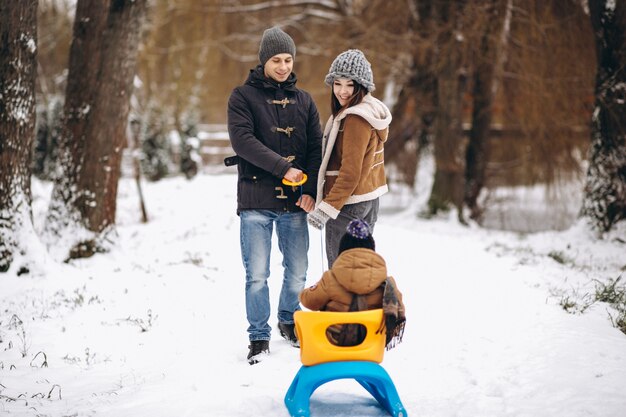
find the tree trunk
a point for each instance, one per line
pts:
(100, 82)
(415, 109)
(134, 146)
(449, 142)
(478, 149)
(18, 52)
(414, 113)
(604, 201)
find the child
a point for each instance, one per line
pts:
(357, 281)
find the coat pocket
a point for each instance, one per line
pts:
(251, 172)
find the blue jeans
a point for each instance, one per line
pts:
(256, 227)
(335, 229)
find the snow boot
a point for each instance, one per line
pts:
(258, 350)
(287, 331)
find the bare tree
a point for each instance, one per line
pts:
(415, 109)
(546, 94)
(430, 104)
(449, 149)
(18, 54)
(102, 65)
(604, 202)
(484, 77)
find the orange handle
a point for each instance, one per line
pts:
(294, 184)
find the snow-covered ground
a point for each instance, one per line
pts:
(157, 326)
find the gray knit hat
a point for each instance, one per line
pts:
(351, 64)
(274, 42)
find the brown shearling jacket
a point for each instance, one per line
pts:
(352, 168)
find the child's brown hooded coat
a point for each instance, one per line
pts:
(359, 271)
(355, 271)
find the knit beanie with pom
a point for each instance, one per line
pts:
(358, 235)
(351, 64)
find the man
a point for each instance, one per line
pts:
(274, 128)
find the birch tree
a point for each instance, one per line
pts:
(18, 50)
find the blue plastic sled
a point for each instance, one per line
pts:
(370, 375)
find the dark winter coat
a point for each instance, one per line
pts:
(272, 127)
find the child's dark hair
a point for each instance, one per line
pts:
(358, 235)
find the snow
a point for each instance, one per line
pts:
(610, 6)
(31, 44)
(157, 326)
(20, 104)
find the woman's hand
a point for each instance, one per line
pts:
(317, 218)
(306, 203)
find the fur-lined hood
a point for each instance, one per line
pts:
(374, 111)
(359, 270)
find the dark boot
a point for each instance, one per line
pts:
(258, 349)
(288, 331)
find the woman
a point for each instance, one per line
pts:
(352, 172)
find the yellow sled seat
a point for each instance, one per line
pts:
(315, 347)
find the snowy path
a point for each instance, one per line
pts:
(484, 343)
(483, 336)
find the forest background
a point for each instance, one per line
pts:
(500, 93)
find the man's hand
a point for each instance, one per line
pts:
(293, 175)
(306, 203)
